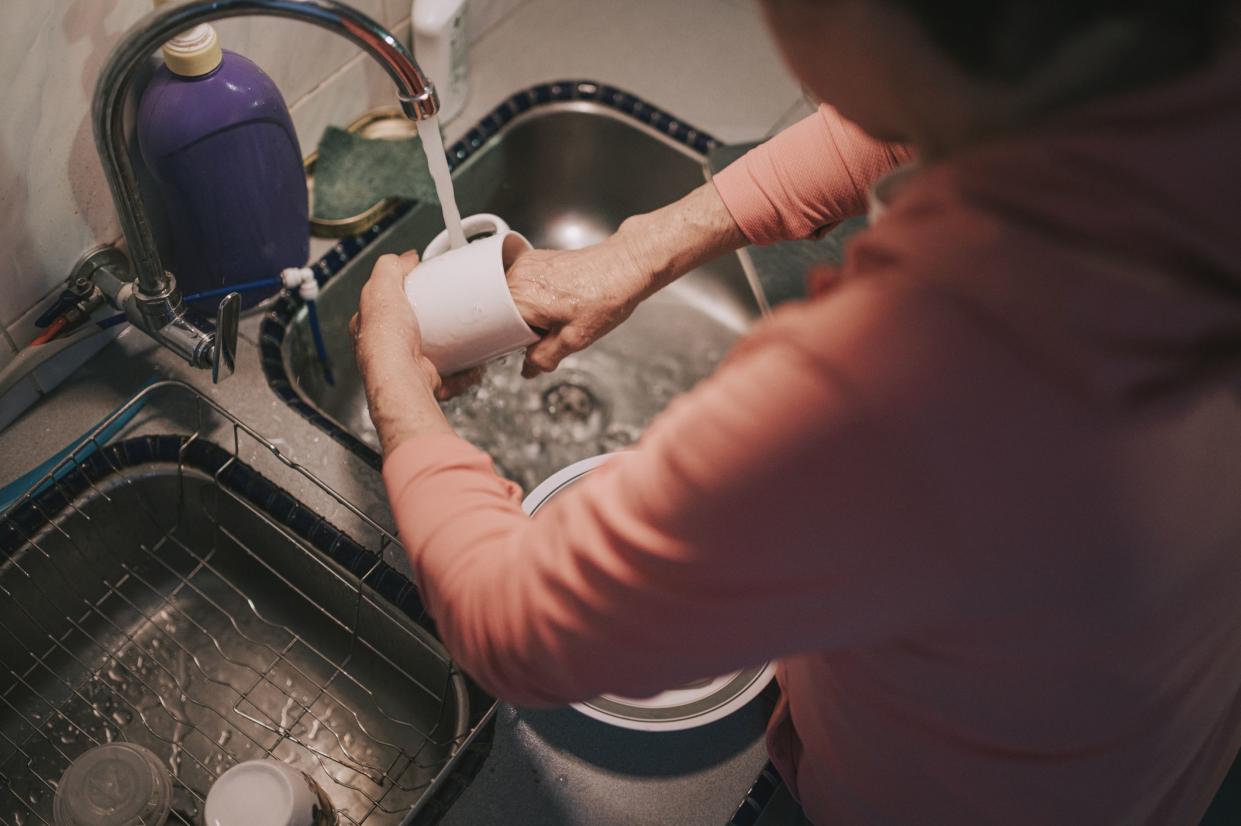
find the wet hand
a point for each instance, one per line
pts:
(386, 339)
(576, 297)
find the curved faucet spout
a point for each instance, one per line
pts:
(154, 298)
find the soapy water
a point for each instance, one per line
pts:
(533, 428)
(599, 401)
(437, 164)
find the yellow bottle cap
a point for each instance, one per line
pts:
(194, 53)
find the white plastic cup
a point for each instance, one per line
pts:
(266, 793)
(461, 297)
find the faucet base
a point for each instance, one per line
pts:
(162, 316)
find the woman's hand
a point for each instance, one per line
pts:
(402, 385)
(386, 337)
(576, 296)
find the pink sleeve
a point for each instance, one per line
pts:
(702, 552)
(807, 178)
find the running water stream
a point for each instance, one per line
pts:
(437, 163)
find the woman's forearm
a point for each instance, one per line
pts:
(672, 240)
(806, 179)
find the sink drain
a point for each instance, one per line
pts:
(569, 403)
(574, 414)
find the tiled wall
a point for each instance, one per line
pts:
(54, 202)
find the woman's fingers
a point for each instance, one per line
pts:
(390, 270)
(534, 302)
(545, 355)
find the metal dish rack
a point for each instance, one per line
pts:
(189, 593)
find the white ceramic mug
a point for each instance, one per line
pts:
(461, 297)
(266, 793)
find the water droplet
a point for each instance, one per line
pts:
(286, 716)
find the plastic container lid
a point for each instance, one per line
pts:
(194, 53)
(119, 784)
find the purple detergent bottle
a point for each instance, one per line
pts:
(219, 144)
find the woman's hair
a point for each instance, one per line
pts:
(1008, 40)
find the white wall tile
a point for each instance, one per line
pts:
(483, 15)
(298, 56)
(396, 11)
(55, 202)
(360, 86)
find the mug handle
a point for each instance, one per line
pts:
(471, 225)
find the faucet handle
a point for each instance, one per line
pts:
(224, 349)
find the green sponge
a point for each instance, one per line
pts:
(354, 173)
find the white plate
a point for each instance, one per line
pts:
(682, 708)
(677, 709)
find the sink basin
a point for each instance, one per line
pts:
(564, 168)
(165, 594)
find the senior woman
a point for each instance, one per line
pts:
(980, 496)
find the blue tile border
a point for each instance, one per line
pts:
(276, 323)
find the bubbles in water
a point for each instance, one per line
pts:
(599, 401)
(569, 402)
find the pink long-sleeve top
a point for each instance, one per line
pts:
(981, 498)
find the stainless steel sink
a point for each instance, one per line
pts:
(158, 590)
(565, 173)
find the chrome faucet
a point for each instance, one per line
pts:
(150, 298)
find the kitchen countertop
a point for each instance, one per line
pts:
(706, 61)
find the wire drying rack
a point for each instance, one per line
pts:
(174, 583)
